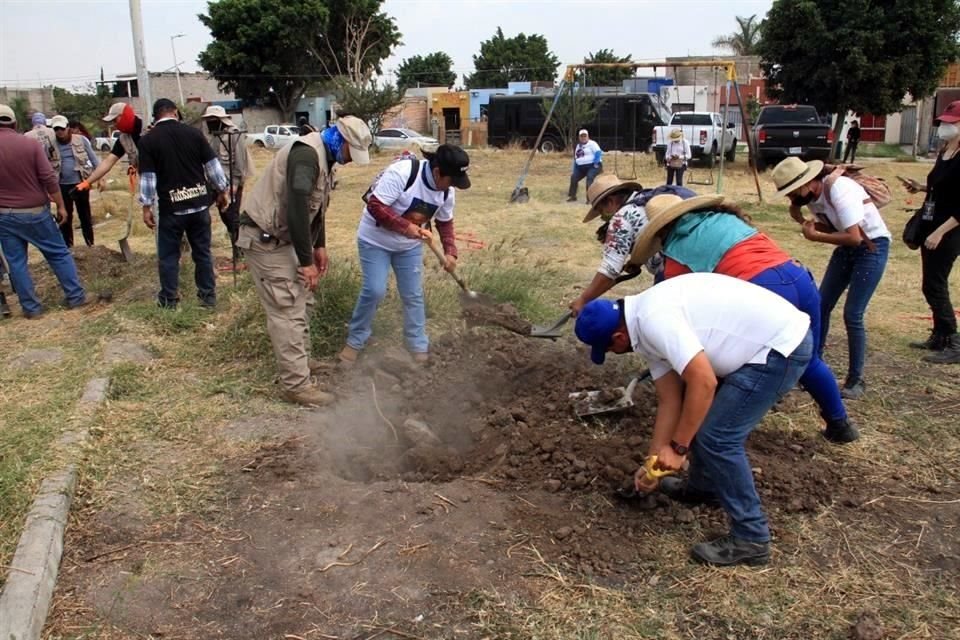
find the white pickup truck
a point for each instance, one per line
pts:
(703, 130)
(274, 136)
(106, 144)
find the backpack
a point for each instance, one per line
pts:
(415, 168)
(877, 188)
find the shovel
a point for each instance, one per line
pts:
(591, 403)
(124, 243)
(552, 331)
(467, 296)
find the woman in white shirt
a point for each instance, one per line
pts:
(846, 217)
(676, 156)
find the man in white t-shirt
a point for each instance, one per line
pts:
(587, 163)
(846, 217)
(721, 352)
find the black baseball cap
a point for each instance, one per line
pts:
(161, 105)
(453, 162)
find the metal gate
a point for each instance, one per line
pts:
(908, 125)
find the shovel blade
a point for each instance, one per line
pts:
(551, 331)
(519, 196)
(473, 298)
(591, 403)
(126, 250)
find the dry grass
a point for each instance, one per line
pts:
(211, 369)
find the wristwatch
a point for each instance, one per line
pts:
(679, 449)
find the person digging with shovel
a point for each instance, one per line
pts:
(400, 204)
(721, 352)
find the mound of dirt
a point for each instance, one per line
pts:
(505, 316)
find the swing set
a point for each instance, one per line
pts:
(521, 194)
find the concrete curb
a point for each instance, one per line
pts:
(26, 596)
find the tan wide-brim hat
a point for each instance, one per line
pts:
(676, 134)
(218, 112)
(603, 186)
(357, 134)
(793, 173)
(661, 211)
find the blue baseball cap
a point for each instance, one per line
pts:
(596, 324)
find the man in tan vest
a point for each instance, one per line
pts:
(283, 236)
(44, 135)
(77, 162)
(230, 145)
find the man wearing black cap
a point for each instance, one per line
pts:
(404, 199)
(176, 166)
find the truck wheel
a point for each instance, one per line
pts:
(731, 155)
(550, 145)
(258, 143)
(710, 159)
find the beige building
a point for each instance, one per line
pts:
(38, 99)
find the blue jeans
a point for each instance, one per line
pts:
(859, 269)
(581, 171)
(17, 231)
(408, 268)
(719, 463)
(795, 284)
(170, 231)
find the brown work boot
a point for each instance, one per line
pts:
(348, 356)
(310, 395)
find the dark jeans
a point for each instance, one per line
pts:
(581, 171)
(851, 151)
(17, 232)
(937, 265)
(859, 269)
(170, 231)
(82, 200)
(795, 284)
(719, 463)
(676, 172)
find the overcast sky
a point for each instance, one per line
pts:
(66, 42)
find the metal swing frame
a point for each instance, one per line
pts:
(521, 193)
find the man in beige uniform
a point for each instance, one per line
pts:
(230, 145)
(283, 237)
(46, 137)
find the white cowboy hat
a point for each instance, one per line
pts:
(603, 186)
(218, 112)
(793, 173)
(661, 211)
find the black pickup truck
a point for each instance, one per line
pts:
(790, 130)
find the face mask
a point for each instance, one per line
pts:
(214, 125)
(948, 131)
(799, 201)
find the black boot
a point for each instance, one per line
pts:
(840, 431)
(730, 550)
(950, 353)
(936, 342)
(4, 307)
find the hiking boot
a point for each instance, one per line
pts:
(730, 550)
(950, 353)
(677, 490)
(421, 357)
(77, 305)
(310, 395)
(840, 431)
(347, 356)
(853, 390)
(936, 342)
(572, 199)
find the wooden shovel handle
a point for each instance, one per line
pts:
(443, 262)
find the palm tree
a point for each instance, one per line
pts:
(745, 40)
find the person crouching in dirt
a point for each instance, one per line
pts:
(401, 202)
(707, 234)
(620, 204)
(283, 236)
(694, 331)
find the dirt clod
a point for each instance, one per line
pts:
(868, 627)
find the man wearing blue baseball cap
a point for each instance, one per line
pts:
(721, 352)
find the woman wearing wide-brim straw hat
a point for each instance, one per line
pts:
(620, 204)
(847, 218)
(708, 234)
(676, 156)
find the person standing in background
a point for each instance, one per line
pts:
(853, 139)
(44, 135)
(77, 162)
(587, 163)
(676, 156)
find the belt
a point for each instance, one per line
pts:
(39, 209)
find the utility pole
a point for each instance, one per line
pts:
(176, 65)
(140, 57)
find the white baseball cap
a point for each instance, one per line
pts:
(59, 121)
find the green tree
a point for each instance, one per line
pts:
(745, 40)
(368, 101)
(87, 107)
(502, 60)
(432, 70)
(574, 111)
(272, 50)
(21, 109)
(857, 55)
(611, 77)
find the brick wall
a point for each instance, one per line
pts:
(411, 114)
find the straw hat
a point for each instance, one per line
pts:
(661, 211)
(676, 134)
(603, 186)
(793, 173)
